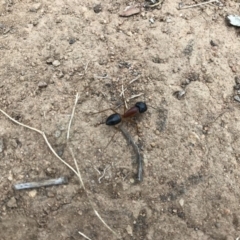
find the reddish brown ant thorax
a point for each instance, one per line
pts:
(131, 112)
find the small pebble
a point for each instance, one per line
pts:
(129, 230)
(97, 8)
(35, 7)
(132, 180)
(12, 203)
(49, 61)
(72, 40)
(237, 98)
(42, 84)
(152, 144)
(56, 63)
(32, 193)
(181, 202)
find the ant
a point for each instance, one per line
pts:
(114, 119)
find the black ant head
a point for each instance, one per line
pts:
(142, 106)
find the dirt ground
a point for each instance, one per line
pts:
(185, 64)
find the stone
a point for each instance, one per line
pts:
(56, 63)
(12, 203)
(42, 84)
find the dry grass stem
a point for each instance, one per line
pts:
(79, 174)
(135, 96)
(135, 79)
(123, 97)
(73, 111)
(199, 4)
(82, 234)
(85, 70)
(106, 224)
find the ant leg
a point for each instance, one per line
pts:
(105, 110)
(111, 139)
(135, 123)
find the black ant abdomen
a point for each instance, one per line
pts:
(113, 119)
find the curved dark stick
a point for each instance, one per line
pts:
(136, 150)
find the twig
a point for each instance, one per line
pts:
(123, 97)
(86, 67)
(135, 79)
(97, 170)
(73, 111)
(84, 235)
(101, 77)
(199, 4)
(45, 183)
(135, 96)
(79, 174)
(104, 171)
(136, 149)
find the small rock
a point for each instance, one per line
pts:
(214, 44)
(49, 61)
(12, 203)
(237, 79)
(35, 7)
(72, 40)
(10, 176)
(56, 63)
(97, 8)
(22, 78)
(181, 202)
(42, 84)
(129, 230)
(153, 144)
(237, 98)
(1, 145)
(32, 193)
(132, 180)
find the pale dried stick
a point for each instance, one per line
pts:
(106, 224)
(136, 149)
(199, 4)
(84, 235)
(85, 70)
(135, 96)
(104, 171)
(79, 174)
(73, 111)
(135, 79)
(123, 97)
(44, 136)
(44, 183)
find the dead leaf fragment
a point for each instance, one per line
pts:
(130, 10)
